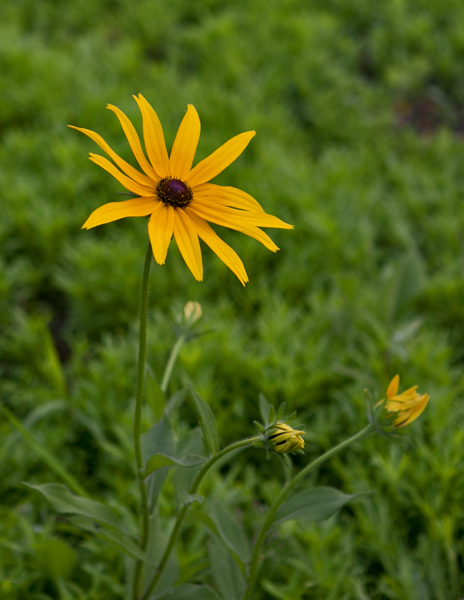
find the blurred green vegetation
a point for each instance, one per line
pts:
(359, 111)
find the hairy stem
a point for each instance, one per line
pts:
(145, 520)
(283, 496)
(183, 512)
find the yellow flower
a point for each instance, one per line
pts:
(177, 196)
(407, 406)
(285, 439)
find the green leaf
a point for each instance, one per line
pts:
(163, 460)
(316, 504)
(65, 502)
(264, 409)
(207, 421)
(175, 401)
(190, 498)
(125, 544)
(158, 439)
(189, 591)
(154, 396)
(117, 539)
(230, 532)
(227, 576)
(205, 519)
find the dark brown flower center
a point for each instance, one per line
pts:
(174, 192)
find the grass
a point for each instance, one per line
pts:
(359, 113)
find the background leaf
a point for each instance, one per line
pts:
(316, 504)
(65, 502)
(207, 421)
(227, 576)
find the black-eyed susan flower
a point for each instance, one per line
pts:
(407, 406)
(177, 197)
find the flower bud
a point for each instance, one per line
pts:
(192, 312)
(286, 440)
(404, 408)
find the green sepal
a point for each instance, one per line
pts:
(291, 418)
(271, 418)
(300, 451)
(280, 411)
(264, 408)
(260, 427)
(268, 454)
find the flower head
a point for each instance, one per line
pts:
(177, 197)
(407, 406)
(285, 439)
(277, 435)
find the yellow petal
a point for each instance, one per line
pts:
(160, 228)
(153, 137)
(220, 159)
(228, 256)
(417, 411)
(259, 219)
(219, 218)
(188, 243)
(227, 196)
(135, 207)
(122, 164)
(129, 184)
(392, 389)
(134, 142)
(185, 144)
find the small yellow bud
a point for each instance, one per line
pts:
(408, 405)
(192, 311)
(285, 439)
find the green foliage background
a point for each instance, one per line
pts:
(359, 113)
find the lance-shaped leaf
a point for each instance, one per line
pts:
(316, 504)
(159, 439)
(65, 502)
(207, 421)
(163, 460)
(117, 539)
(226, 573)
(231, 532)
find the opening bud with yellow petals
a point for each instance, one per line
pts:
(286, 440)
(403, 408)
(278, 436)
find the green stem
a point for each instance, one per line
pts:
(171, 362)
(283, 496)
(44, 454)
(181, 516)
(145, 521)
